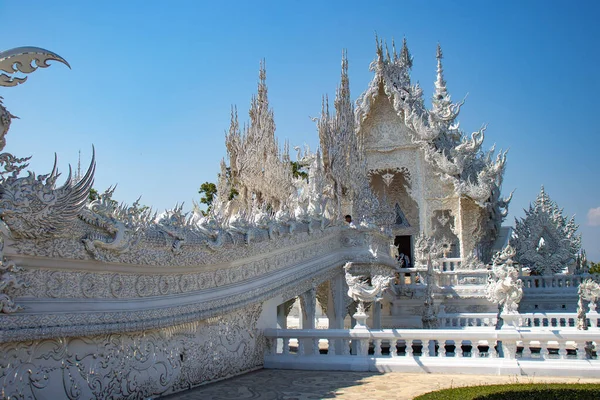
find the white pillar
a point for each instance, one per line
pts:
(376, 315)
(308, 305)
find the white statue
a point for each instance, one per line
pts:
(362, 292)
(504, 286)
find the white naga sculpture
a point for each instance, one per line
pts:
(362, 292)
(504, 286)
(22, 197)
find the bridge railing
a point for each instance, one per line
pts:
(541, 352)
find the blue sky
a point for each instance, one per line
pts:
(152, 83)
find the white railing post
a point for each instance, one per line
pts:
(393, 348)
(458, 351)
(425, 348)
(442, 347)
(377, 347)
(286, 346)
(315, 344)
(331, 347)
(346, 347)
(409, 348)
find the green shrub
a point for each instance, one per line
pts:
(530, 391)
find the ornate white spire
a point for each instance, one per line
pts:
(545, 240)
(339, 143)
(405, 58)
(258, 171)
(441, 98)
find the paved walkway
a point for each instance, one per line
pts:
(268, 384)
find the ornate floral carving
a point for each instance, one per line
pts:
(134, 365)
(9, 279)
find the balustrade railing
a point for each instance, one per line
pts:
(448, 276)
(528, 320)
(569, 351)
(465, 320)
(553, 282)
(510, 343)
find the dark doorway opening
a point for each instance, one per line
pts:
(404, 247)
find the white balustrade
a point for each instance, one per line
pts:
(553, 282)
(529, 320)
(531, 351)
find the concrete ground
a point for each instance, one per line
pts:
(267, 384)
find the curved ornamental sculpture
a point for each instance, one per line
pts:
(15, 192)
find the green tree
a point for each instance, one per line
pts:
(297, 171)
(208, 190)
(594, 268)
(93, 195)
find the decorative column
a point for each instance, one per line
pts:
(308, 305)
(336, 310)
(376, 315)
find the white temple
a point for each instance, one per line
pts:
(104, 300)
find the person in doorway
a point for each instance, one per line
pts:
(404, 260)
(348, 219)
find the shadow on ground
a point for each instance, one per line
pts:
(268, 384)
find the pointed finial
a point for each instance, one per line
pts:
(439, 55)
(394, 53)
(379, 48)
(405, 57)
(387, 53)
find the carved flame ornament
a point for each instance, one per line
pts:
(30, 207)
(545, 240)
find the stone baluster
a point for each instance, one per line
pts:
(393, 349)
(475, 352)
(345, 347)
(273, 346)
(425, 348)
(286, 346)
(458, 351)
(301, 349)
(315, 346)
(409, 348)
(331, 347)
(442, 347)
(377, 347)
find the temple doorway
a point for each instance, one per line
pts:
(405, 247)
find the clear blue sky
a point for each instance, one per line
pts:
(152, 84)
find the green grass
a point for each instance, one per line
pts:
(529, 391)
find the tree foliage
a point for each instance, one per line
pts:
(594, 268)
(208, 190)
(297, 171)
